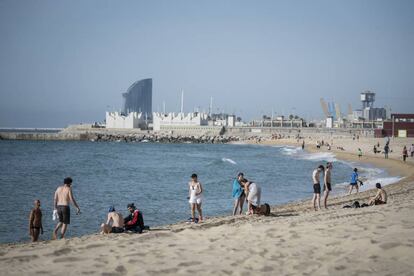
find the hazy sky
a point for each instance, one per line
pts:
(64, 62)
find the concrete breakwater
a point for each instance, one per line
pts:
(120, 137)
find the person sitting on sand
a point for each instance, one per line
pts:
(354, 182)
(316, 200)
(238, 195)
(35, 221)
(380, 197)
(114, 222)
(195, 190)
(254, 193)
(327, 184)
(134, 221)
(63, 197)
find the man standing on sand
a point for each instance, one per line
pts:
(63, 197)
(316, 200)
(35, 221)
(327, 184)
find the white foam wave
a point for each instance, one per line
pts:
(228, 160)
(300, 154)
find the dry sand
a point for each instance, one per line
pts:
(292, 241)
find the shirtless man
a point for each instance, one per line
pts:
(63, 197)
(327, 184)
(117, 220)
(380, 197)
(316, 200)
(35, 221)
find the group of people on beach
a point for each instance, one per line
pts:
(245, 190)
(327, 187)
(63, 197)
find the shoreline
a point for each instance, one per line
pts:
(393, 169)
(293, 240)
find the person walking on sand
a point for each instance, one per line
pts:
(35, 222)
(63, 197)
(404, 153)
(316, 200)
(195, 191)
(354, 181)
(380, 197)
(327, 184)
(359, 153)
(412, 150)
(386, 150)
(238, 194)
(303, 145)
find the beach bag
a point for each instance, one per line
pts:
(264, 209)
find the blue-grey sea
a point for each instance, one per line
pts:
(154, 176)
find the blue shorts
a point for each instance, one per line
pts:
(353, 184)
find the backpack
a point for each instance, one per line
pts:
(264, 209)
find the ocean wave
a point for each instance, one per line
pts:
(228, 160)
(297, 152)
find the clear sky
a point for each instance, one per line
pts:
(64, 62)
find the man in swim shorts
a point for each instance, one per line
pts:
(63, 197)
(316, 200)
(380, 197)
(35, 221)
(327, 184)
(114, 222)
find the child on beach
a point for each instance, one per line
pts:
(35, 221)
(195, 190)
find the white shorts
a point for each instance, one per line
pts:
(195, 200)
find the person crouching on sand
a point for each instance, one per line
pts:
(316, 200)
(380, 197)
(35, 221)
(238, 194)
(114, 222)
(253, 193)
(195, 190)
(327, 184)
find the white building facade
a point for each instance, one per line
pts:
(119, 120)
(167, 121)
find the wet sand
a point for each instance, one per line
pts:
(294, 240)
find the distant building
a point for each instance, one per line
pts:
(400, 125)
(138, 98)
(119, 120)
(374, 113)
(171, 121)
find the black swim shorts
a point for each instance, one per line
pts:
(64, 214)
(117, 230)
(317, 188)
(327, 185)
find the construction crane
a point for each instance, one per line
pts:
(338, 111)
(324, 107)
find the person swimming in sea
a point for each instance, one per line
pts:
(35, 222)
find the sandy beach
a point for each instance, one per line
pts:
(293, 240)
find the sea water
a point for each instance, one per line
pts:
(154, 176)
